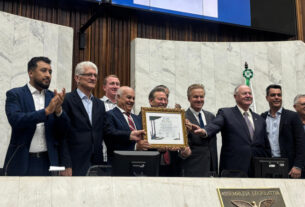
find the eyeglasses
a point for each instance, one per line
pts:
(89, 74)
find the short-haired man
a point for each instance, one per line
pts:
(170, 159)
(299, 105)
(243, 133)
(111, 84)
(82, 145)
(203, 160)
(36, 116)
(285, 131)
(124, 129)
(167, 92)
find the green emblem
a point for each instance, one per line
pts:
(248, 74)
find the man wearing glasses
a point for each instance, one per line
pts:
(299, 106)
(82, 145)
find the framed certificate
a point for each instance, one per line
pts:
(164, 127)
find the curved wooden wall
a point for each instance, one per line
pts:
(108, 38)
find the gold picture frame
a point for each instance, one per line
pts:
(164, 127)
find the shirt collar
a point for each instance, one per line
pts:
(82, 95)
(33, 90)
(106, 99)
(243, 111)
(279, 112)
(122, 110)
(195, 112)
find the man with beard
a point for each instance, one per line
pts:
(82, 146)
(36, 116)
(285, 131)
(243, 133)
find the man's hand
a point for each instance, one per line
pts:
(142, 145)
(61, 97)
(55, 103)
(198, 131)
(66, 172)
(137, 135)
(185, 152)
(52, 106)
(188, 125)
(295, 172)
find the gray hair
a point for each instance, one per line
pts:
(80, 67)
(237, 88)
(296, 99)
(194, 86)
(120, 91)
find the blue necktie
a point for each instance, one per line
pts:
(200, 121)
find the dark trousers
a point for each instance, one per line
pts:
(39, 165)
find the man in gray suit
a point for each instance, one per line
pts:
(203, 160)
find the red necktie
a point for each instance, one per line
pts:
(130, 122)
(166, 158)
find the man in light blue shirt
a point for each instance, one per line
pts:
(285, 131)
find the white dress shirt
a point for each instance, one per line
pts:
(108, 103)
(38, 143)
(196, 114)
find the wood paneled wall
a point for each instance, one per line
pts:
(108, 38)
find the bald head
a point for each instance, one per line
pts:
(243, 96)
(125, 97)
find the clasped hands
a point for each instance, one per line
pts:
(56, 102)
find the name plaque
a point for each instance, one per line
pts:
(253, 197)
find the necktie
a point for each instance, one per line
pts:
(250, 127)
(166, 158)
(130, 122)
(200, 121)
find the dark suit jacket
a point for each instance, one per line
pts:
(118, 131)
(291, 138)
(237, 148)
(82, 146)
(204, 151)
(22, 116)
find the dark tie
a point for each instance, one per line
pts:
(250, 127)
(130, 122)
(200, 120)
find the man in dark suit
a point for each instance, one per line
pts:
(243, 133)
(285, 131)
(36, 117)
(124, 129)
(82, 146)
(203, 160)
(170, 157)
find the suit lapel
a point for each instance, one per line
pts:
(256, 125)
(94, 110)
(79, 104)
(191, 117)
(136, 121)
(121, 118)
(29, 101)
(207, 117)
(283, 118)
(239, 117)
(48, 98)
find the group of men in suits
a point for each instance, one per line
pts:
(55, 128)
